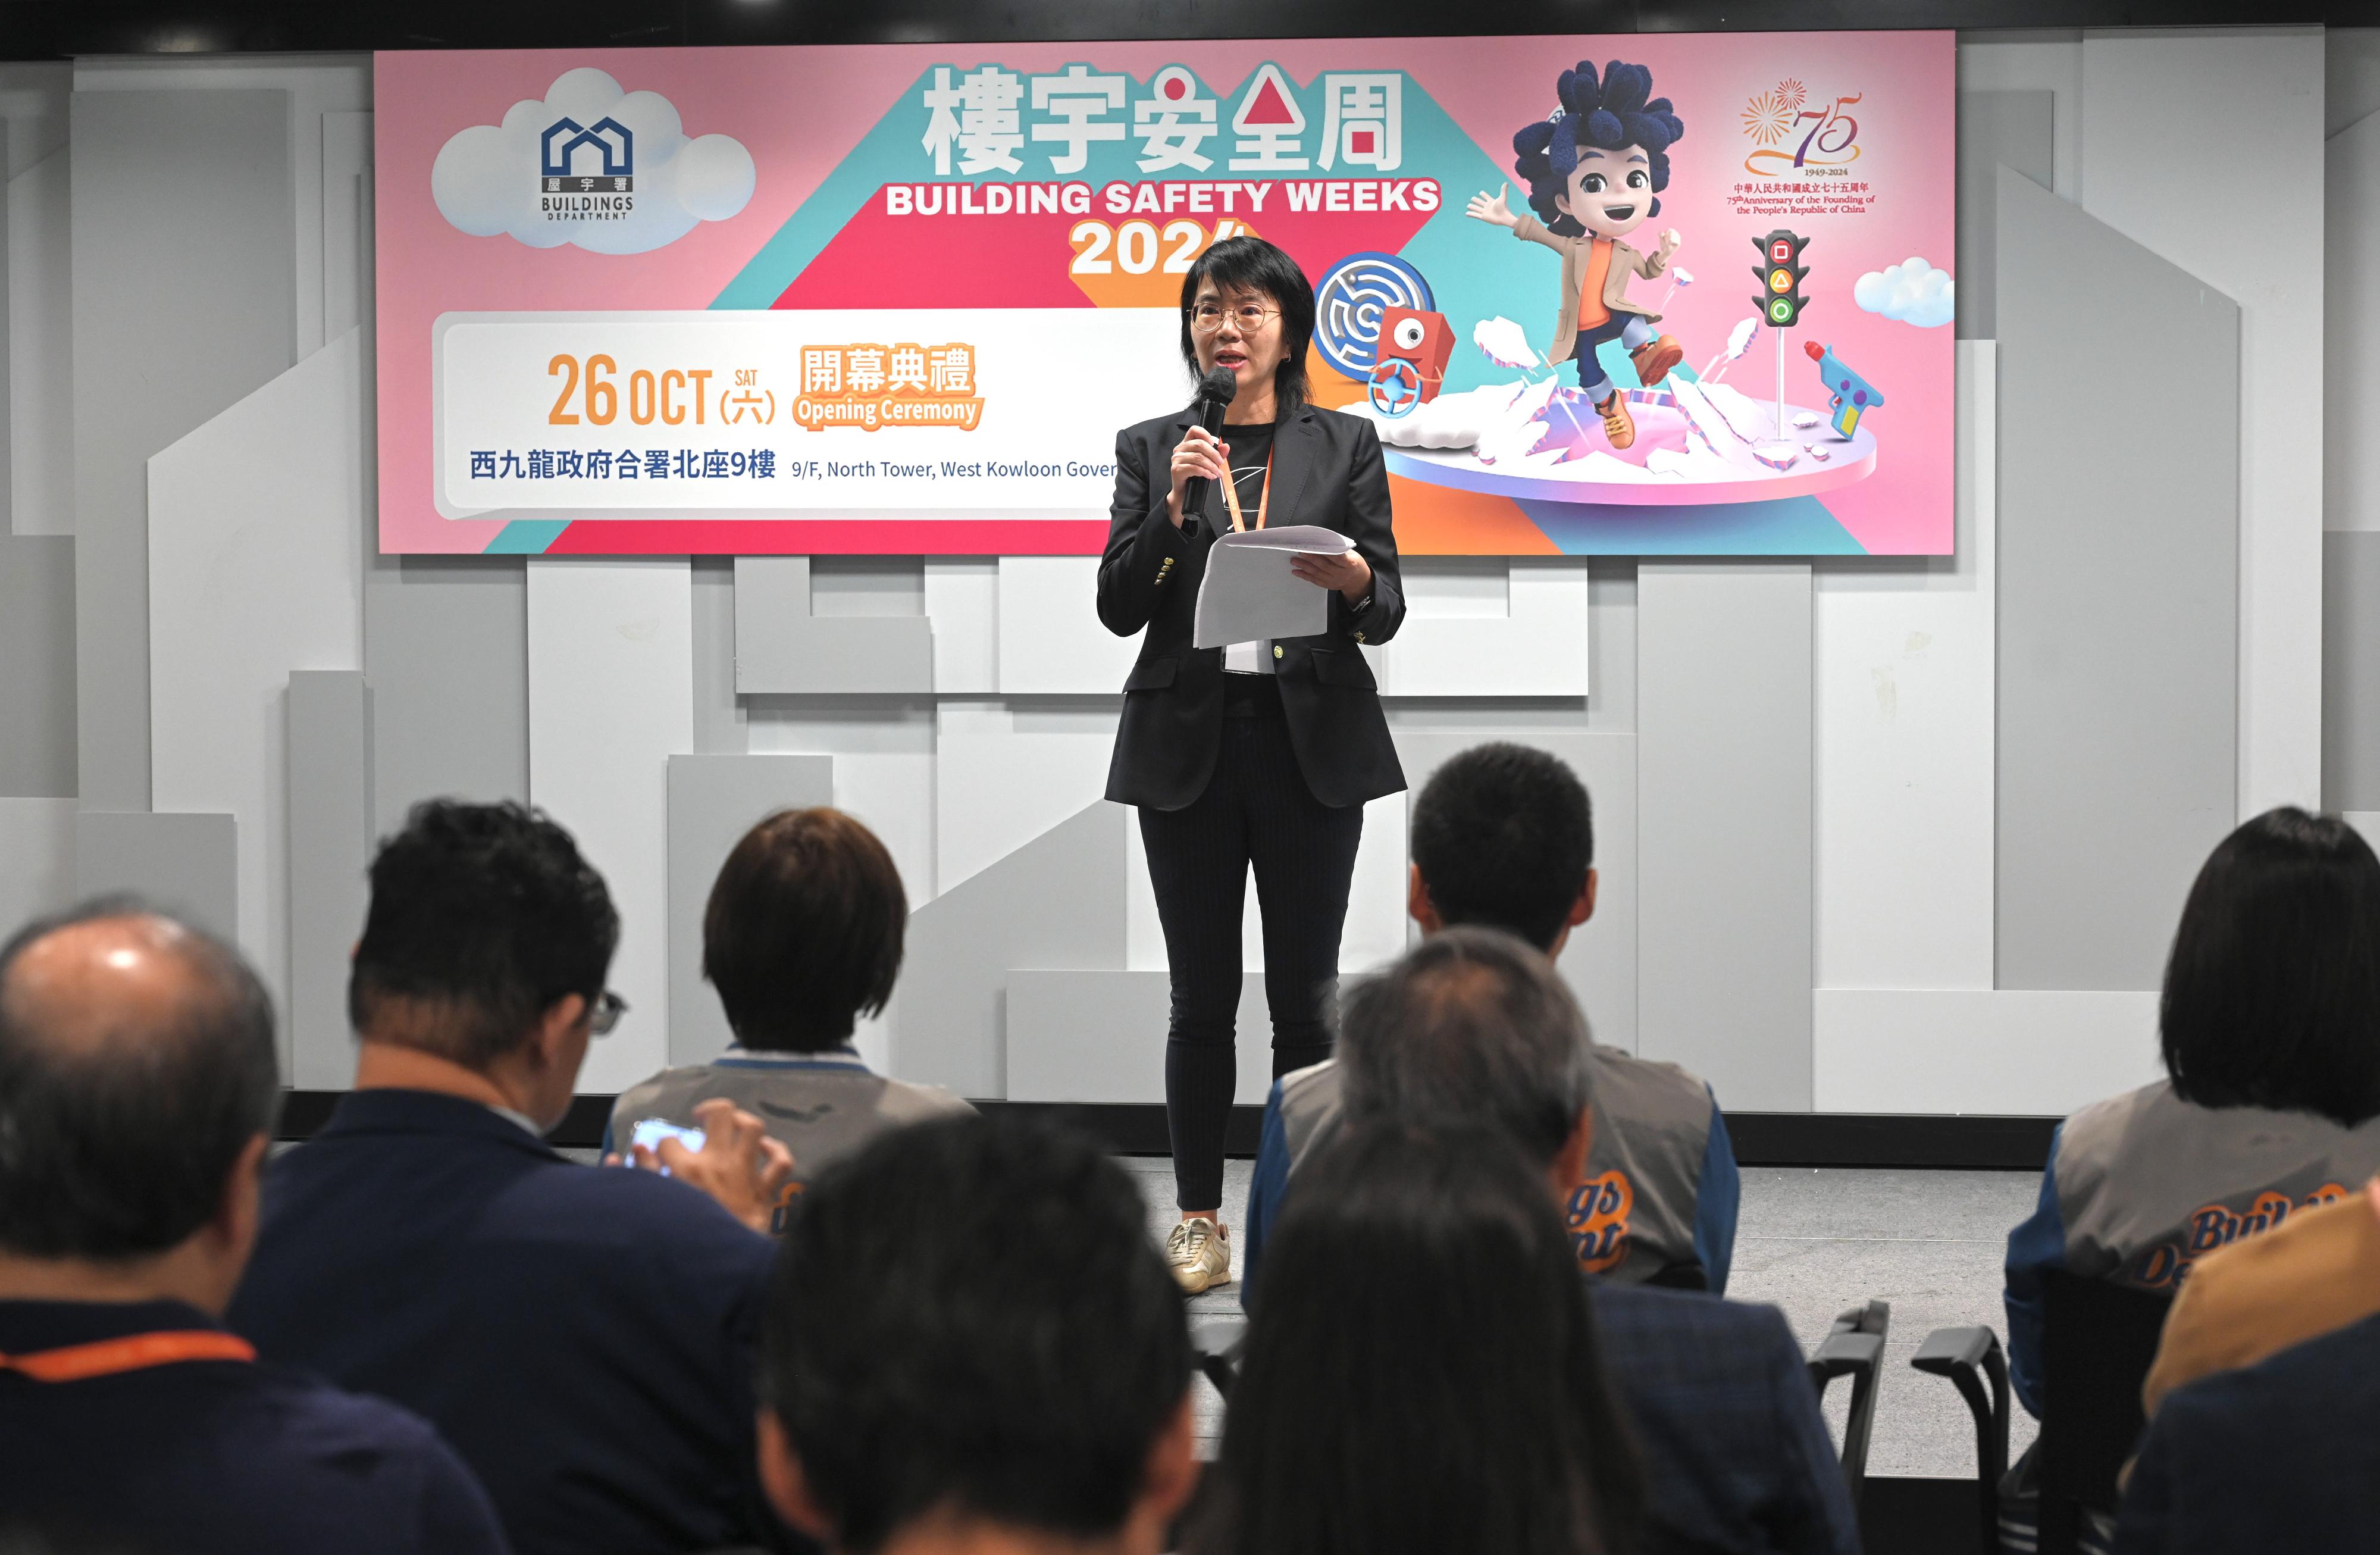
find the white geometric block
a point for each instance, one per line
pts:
(1537, 648)
(611, 700)
(1994, 1052)
(255, 569)
(1051, 639)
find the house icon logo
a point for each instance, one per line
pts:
(599, 158)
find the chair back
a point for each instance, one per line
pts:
(2098, 1339)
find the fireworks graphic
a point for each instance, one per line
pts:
(1768, 116)
(1791, 92)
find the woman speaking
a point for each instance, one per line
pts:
(1261, 753)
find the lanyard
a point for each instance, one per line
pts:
(1264, 498)
(137, 1352)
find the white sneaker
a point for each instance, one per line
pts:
(1199, 1252)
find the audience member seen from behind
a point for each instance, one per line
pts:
(2270, 1025)
(1503, 836)
(1425, 1375)
(581, 1334)
(2280, 1456)
(973, 1347)
(1471, 1029)
(138, 1084)
(801, 939)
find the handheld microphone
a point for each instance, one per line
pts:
(1215, 392)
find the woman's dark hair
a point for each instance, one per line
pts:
(1251, 264)
(2272, 996)
(1423, 1373)
(487, 914)
(803, 931)
(1607, 114)
(1503, 836)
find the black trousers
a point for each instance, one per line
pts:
(1256, 811)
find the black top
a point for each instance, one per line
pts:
(1327, 469)
(582, 1334)
(221, 1457)
(1250, 446)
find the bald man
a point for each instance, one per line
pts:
(138, 1083)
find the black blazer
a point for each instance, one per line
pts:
(1327, 469)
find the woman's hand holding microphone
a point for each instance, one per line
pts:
(1200, 453)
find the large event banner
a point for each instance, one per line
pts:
(1649, 295)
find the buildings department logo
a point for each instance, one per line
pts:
(580, 158)
(591, 164)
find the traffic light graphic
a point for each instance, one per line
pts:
(1780, 300)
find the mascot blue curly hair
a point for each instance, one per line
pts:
(1607, 112)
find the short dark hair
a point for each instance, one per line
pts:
(969, 1314)
(1469, 1030)
(487, 915)
(1251, 264)
(1503, 835)
(803, 931)
(2272, 994)
(1421, 1285)
(119, 1148)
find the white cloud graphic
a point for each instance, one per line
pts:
(1913, 291)
(486, 178)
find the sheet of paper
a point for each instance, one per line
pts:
(1249, 593)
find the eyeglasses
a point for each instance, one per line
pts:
(1209, 317)
(606, 1013)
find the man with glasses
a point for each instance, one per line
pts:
(582, 1335)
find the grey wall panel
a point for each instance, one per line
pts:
(446, 656)
(1995, 128)
(1599, 962)
(713, 801)
(37, 667)
(719, 718)
(185, 301)
(330, 824)
(1725, 834)
(781, 645)
(2119, 596)
(1611, 647)
(1056, 902)
(186, 864)
(2350, 669)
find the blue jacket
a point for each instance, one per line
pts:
(582, 1335)
(2280, 1456)
(1736, 1454)
(221, 1457)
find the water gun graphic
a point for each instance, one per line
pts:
(1853, 393)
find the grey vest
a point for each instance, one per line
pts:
(821, 1106)
(2147, 1183)
(1634, 1214)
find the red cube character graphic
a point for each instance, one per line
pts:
(1409, 363)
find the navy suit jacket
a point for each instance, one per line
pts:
(582, 1335)
(1736, 1454)
(2283, 1455)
